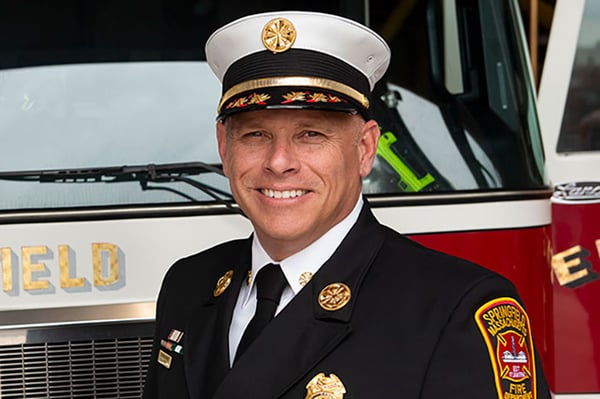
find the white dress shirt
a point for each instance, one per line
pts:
(295, 268)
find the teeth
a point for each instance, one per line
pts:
(283, 194)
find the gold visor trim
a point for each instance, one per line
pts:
(306, 81)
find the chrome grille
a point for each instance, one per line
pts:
(94, 368)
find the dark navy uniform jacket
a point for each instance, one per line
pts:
(408, 331)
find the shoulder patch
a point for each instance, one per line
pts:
(507, 335)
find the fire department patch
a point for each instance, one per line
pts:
(507, 334)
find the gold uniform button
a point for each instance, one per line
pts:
(278, 35)
(223, 283)
(335, 296)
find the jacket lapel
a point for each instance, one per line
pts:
(303, 333)
(207, 345)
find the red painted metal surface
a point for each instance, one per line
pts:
(575, 310)
(523, 256)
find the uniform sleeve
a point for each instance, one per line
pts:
(152, 385)
(486, 349)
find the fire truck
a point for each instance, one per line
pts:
(569, 110)
(109, 171)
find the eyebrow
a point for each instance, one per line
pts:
(258, 125)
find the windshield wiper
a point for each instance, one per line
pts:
(144, 174)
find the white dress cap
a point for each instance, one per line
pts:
(347, 40)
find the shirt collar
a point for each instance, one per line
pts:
(308, 260)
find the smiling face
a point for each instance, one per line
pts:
(295, 173)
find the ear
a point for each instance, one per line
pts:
(368, 146)
(222, 145)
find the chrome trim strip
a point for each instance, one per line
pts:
(16, 319)
(458, 198)
(54, 215)
(376, 200)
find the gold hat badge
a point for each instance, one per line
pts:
(335, 296)
(322, 387)
(278, 35)
(223, 283)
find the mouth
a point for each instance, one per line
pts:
(267, 192)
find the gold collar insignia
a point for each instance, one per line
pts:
(223, 283)
(334, 297)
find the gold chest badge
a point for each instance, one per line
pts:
(322, 387)
(278, 35)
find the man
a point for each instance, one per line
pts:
(361, 312)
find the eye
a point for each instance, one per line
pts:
(312, 133)
(252, 135)
(313, 137)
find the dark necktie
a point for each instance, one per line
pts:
(270, 282)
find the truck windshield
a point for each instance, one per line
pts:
(88, 84)
(580, 128)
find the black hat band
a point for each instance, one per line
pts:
(294, 70)
(294, 81)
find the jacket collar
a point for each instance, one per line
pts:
(206, 357)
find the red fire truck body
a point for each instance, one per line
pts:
(568, 107)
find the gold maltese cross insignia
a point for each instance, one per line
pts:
(278, 35)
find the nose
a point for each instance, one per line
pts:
(282, 158)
